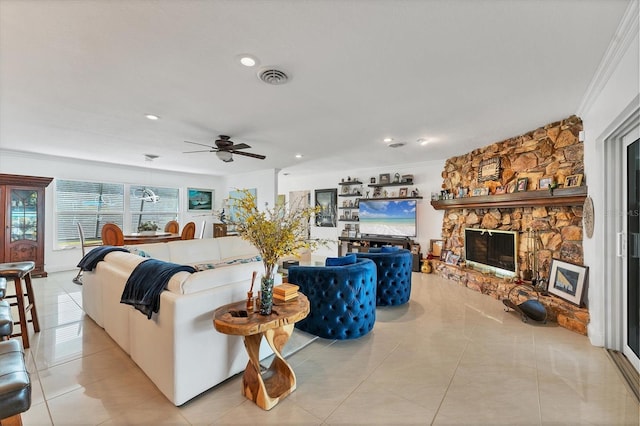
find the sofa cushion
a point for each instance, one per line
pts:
(349, 259)
(233, 247)
(194, 251)
(389, 249)
(158, 251)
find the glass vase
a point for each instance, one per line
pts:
(266, 295)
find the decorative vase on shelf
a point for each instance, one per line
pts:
(266, 295)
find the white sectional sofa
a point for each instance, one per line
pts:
(178, 348)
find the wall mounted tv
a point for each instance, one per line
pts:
(492, 250)
(389, 218)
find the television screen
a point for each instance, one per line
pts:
(392, 218)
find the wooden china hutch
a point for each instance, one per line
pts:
(22, 234)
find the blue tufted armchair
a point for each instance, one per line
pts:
(342, 298)
(394, 275)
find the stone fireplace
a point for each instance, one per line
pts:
(554, 219)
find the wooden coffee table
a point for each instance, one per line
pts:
(268, 388)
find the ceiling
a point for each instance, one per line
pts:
(78, 77)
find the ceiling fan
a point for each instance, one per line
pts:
(225, 148)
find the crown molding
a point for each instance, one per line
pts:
(626, 33)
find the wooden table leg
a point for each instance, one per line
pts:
(267, 389)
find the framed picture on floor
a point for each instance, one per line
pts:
(567, 280)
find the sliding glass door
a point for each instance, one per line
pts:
(631, 347)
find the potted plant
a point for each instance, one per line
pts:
(275, 232)
(147, 228)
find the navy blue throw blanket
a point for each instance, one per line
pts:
(147, 281)
(91, 259)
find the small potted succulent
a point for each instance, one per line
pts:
(147, 228)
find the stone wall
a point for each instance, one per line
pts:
(550, 151)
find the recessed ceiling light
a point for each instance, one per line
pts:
(298, 155)
(248, 60)
(152, 117)
(388, 140)
(423, 141)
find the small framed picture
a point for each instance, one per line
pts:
(501, 190)
(573, 180)
(372, 180)
(403, 192)
(435, 247)
(385, 178)
(355, 216)
(545, 182)
(521, 184)
(444, 254)
(477, 192)
(415, 248)
(451, 259)
(567, 280)
(489, 169)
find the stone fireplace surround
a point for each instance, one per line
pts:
(550, 151)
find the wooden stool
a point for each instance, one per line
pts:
(18, 271)
(15, 386)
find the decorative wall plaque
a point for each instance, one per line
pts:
(489, 169)
(587, 216)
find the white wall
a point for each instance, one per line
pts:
(619, 86)
(12, 162)
(427, 178)
(264, 181)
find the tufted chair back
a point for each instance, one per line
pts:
(342, 298)
(394, 276)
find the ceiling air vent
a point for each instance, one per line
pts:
(396, 145)
(273, 76)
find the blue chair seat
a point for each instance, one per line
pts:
(342, 298)
(394, 276)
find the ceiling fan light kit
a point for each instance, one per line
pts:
(225, 156)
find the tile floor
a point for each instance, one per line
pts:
(436, 360)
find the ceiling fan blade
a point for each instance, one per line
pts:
(204, 150)
(249, 154)
(198, 143)
(240, 146)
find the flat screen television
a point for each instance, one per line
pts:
(389, 218)
(492, 250)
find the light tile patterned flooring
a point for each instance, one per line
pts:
(450, 356)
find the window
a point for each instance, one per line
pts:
(92, 204)
(147, 203)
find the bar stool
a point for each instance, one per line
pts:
(15, 386)
(19, 271)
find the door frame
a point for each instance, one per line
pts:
(614, 154)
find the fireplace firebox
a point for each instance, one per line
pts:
(492, 250)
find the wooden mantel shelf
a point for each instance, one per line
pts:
(561, 197)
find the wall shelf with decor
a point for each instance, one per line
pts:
(393, 198)
(573, 196)
(380, 185)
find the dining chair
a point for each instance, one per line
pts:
(204, 225)
(112, 235)
(83, 245)
(189, 231)
(172, 226)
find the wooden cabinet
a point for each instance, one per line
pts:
(219, 230)
(22, 233)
